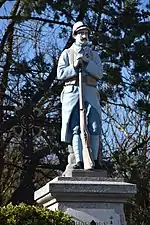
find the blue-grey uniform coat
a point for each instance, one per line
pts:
(70, 93)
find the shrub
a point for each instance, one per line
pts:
(32, 215)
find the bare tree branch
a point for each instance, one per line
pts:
(19, 18)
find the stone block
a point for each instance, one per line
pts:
(87, 193)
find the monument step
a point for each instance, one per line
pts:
(75, 178)
(85, 173)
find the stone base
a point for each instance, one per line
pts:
(87, 196)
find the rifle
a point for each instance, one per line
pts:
(85, 136)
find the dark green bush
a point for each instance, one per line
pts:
(31, 215)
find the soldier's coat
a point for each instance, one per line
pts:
(70, 93)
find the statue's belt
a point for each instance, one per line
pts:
(88, 80)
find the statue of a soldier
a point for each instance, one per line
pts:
(69, 64)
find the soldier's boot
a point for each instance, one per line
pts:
(77, 148)
(78, 165)
(95, 141)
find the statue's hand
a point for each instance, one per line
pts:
(77, 63)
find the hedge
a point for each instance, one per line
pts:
(32, 215)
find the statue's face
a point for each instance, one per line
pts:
(82, 36)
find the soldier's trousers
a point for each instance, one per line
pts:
(93, 122)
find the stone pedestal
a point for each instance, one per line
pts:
(88, 196)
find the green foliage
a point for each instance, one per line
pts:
(134, 167)
(32, 6)
(32, 215)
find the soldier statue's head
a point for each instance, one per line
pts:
(80, 33)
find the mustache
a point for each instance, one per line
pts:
(84, 39)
